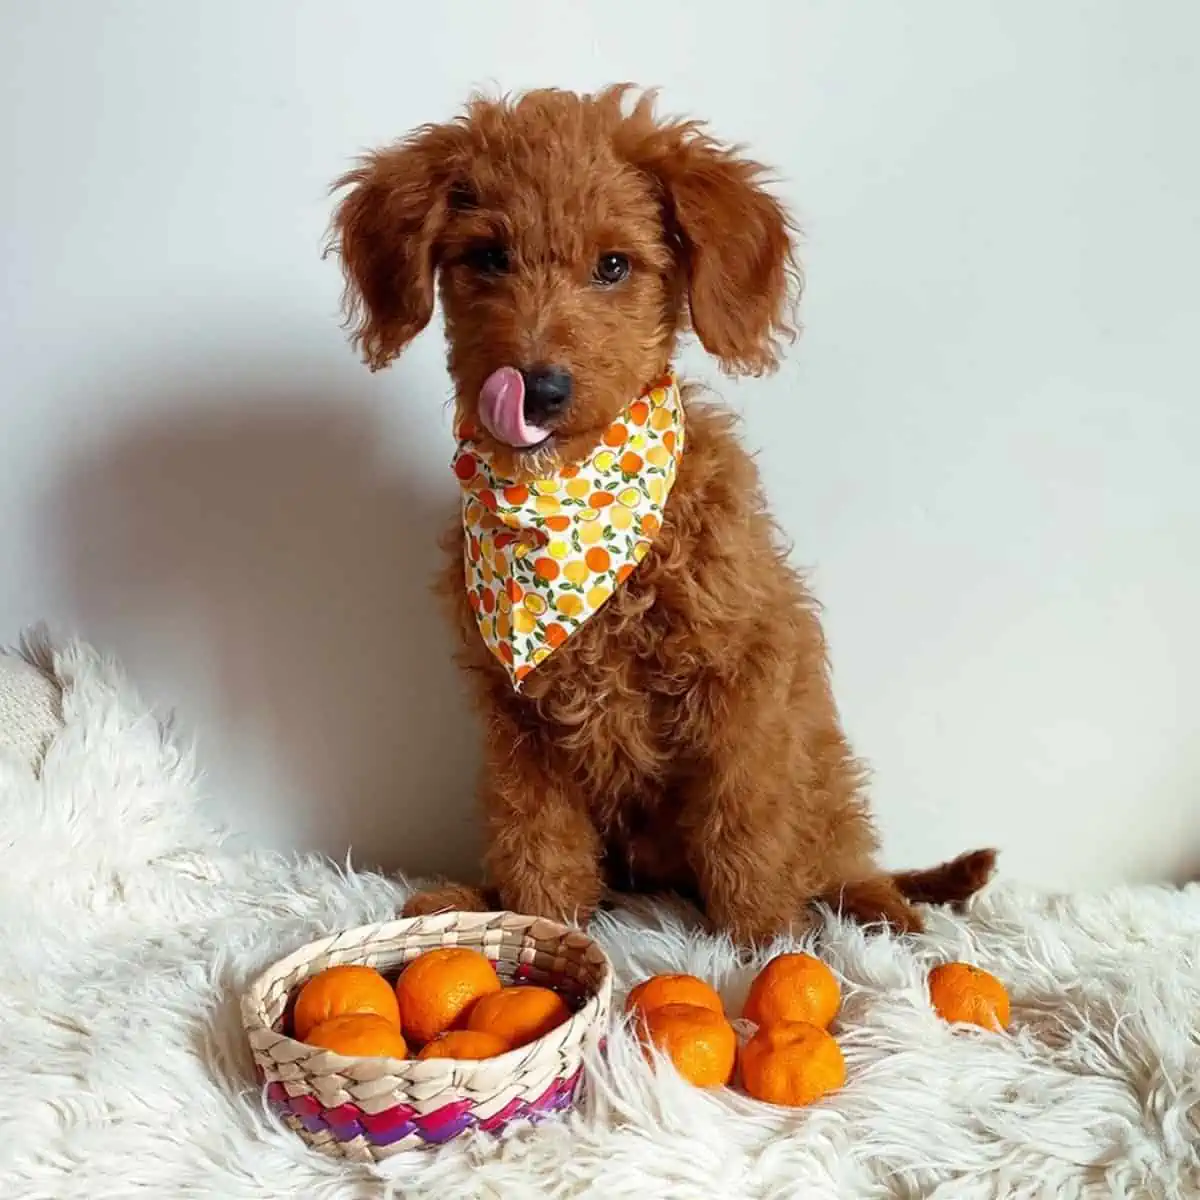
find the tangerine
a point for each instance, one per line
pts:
(963, 993)
(658, 990)
(700, 1042)
(792, 1063)
(359, 1035)
(337, 991)
(793, 987)
(465, 1043)
(437, 989)
(519, 1014)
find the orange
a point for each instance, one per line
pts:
(631, 463)
(465, 1043)
(360, 1035)
(963, 993)
(436, 990)
(546, 568)
(337, 991)
(793, 987)
(615, 435)
(673, 989)
(792, 1063)
(519, 1014)
(700, 1042)
(597, 559)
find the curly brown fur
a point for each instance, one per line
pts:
(686, 737)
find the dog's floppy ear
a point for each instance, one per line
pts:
(734, 238)
(386, 230)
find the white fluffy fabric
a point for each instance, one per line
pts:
(129, 928)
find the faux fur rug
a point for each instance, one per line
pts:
(128, 931)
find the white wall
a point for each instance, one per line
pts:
(985, 445)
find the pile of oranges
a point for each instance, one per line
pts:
(450, 1003)
(447, 1003)
(792, 1059)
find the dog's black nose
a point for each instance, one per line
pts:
(547, 391)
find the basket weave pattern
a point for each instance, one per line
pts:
(370, 1108)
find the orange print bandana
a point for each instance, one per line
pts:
(542, 557)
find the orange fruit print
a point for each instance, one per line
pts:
(543, 554)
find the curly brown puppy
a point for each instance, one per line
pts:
(684, 736)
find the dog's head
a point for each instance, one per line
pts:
(571, 238)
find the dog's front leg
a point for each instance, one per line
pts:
(746, 877)
(543, 852)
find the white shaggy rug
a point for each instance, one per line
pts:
(128, 932)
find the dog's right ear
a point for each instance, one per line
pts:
(386, 231)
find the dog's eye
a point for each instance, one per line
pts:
(611, 269)
(491, 258)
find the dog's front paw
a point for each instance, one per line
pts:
(756, 930)
(566, 905)
(452, 897)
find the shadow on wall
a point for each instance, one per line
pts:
(268, 533)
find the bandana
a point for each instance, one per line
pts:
(543, 557)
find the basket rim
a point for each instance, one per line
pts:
(253, 1007)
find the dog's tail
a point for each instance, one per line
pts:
(953, 882)
(889, 899)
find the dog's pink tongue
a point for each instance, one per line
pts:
(502, 409)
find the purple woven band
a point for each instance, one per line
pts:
(347, 1121)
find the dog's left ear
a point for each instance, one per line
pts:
(386, 232)
(735, 239)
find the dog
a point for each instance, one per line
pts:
(684, 737)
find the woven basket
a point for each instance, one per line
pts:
(370, 1108)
